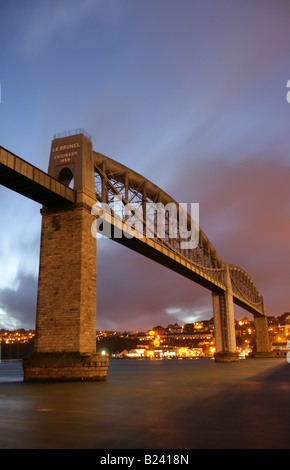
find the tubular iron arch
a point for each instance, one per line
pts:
(115, 180)
(245, 290)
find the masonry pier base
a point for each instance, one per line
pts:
(226, 356)
(262, 355)
(65, 367)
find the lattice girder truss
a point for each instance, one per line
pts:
(141, 205)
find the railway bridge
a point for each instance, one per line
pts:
(85, 193)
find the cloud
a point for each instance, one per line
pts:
(20, 237)
(134, 292)
(18, 306)
(245, 212)
(190, 94)
(46, 22)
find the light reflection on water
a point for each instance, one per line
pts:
(151, 404)
(11, 371)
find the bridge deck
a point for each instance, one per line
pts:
(160, 254)
(26, 179)
(171, 260)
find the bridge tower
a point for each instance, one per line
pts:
(262, 336)
(224, 322)
(65, 339)
(224, 325)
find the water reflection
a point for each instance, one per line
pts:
(145, 404)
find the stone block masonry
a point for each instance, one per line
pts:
(68, 367)
(262, 337)
(66, 310)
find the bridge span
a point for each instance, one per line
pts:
(113, 200)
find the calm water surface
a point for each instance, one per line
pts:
(159, 404)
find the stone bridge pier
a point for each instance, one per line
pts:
(262, 348)
(224, 325)
(65, 340)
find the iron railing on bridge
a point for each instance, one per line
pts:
(60, 135)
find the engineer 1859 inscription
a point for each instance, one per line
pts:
(73, 155)
(64, 153)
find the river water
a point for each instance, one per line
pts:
(157, 404)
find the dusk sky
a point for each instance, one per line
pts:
(189, 93)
